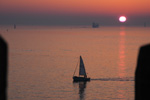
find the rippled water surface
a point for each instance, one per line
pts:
(42, 61)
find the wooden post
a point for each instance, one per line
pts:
(3, 69)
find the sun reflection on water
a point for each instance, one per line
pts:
(121, 64)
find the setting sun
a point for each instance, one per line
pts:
(122, 19)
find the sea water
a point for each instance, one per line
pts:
(42, 60)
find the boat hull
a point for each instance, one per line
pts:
(77, 79)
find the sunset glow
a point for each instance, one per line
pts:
(72, 11)
(75, 6)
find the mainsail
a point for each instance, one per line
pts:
(82, 69)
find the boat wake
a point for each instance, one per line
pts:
(114, 79)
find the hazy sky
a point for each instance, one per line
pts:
(74, 12)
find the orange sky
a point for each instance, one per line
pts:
(93, 7)
(74, 12)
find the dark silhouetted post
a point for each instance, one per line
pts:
(142, 74)
(3, 69)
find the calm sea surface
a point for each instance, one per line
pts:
(42, 61)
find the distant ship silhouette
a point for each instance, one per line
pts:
(14, 26)
(95, 25)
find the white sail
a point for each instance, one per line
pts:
(82, 68)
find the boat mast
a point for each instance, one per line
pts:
(75, 69)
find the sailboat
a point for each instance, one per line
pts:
(82, 73)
